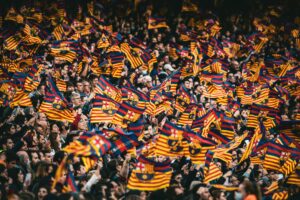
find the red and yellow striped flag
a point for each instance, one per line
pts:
(132, 55)
(149, 175)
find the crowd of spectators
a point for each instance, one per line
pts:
(32, 144)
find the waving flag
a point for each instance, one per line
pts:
(149, 175)
(106, 88)
(197, 146)
(132, 54)
(252, 144)
(103, 41)
(70, 185)
(127, 114)
(103, 109)
(272, 157)
(21, 98)
(122, 143)
(117, 62)
(189, 115)
(211, 170)
(183, 99)
(55, 105)
(157, 22)
(170, 141)
(89, 144)
(134, 97)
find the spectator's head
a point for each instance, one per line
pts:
(168, 68)
(83, 123)
(202, 191)
(7, 143)
(43, 191)
(86, 87)
(34, 158)
(75, 98)
(23, 157)
(79, 86)
(218, 195)
(249, 188)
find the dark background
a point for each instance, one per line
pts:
(221, 6)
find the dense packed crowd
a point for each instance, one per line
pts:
(114, 100)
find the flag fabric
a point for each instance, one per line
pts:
(70, 185)
(126, 114)
(55, 105)
(197, 146)
(89, 144)
(134, 97)
(183, 99)
(132, 54)
(252, 144)
(122, 143)
(189, 115)
(288, 167)
(103, 42)
(89, 162)
(149, 175)
(117, 62)
(170, 141)
(188, 6)
(272, 157)
(60, 171)
(106, 88)
(157, 22)
(283, 195)
(294, 177)
(29, 84)
(22, 99)
(273, 187)
(211, 170)
(103, 109)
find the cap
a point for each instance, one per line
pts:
(168, 67)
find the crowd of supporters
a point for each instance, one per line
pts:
(116, 100)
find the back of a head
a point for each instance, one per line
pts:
(252, 188)
(26, 196)
(133, 197)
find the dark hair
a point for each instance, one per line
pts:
(216, 194)
(54, 143)
(252, 188)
